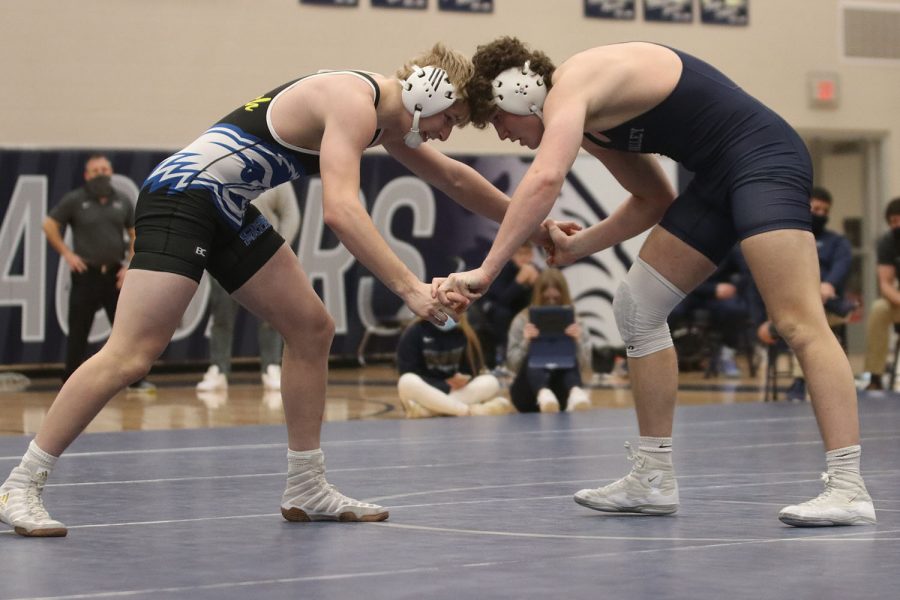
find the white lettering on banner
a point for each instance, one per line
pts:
(22, 225)
(21, 234)
(326, 265)
(415, 194)
(101, 328)
(330, 265)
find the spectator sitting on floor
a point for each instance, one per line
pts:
(441, 373)
(543, 388)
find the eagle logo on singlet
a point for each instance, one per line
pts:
(233, 166)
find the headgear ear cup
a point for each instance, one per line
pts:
(520, 91)
(426, 92)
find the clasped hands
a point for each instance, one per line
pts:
(457, 291)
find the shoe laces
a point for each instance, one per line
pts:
(320, 488)
(635, 458)
(826, 494)
(33, 500)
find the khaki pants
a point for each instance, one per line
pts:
(881, 316)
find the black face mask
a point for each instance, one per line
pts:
(818, 224)
(100, 186)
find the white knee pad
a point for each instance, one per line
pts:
(641, 306)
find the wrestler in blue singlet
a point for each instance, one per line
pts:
(194, 212)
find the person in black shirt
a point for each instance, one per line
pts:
(441, 373)
(100, 218)
(886, 309)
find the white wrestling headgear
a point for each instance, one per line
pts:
(426, 92)
(520, 91)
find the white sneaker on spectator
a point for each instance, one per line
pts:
(309, 497)
(271, 378)
(493, 407)
(547, 402)
(845, 501)
(578, 400)
(650, 488)
(22, 508)
(213, 380)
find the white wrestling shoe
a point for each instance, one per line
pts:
(22, 508)
(845, 501)
(308, 497)
(547, 402)
(650, 488)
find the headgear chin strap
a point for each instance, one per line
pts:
(520, 91)
(426, 92)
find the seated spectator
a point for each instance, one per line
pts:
(720, 303)
(491, 315)
(835, 259)
(544, 388)
(885, 310)
(441, 373)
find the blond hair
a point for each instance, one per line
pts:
(551, 278)
(458, 66)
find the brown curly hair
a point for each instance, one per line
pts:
(492, 59)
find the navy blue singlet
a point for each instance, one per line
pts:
(752, 172)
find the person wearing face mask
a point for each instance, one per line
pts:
(835, 261)
(100, 218)
(441, 372)
(541, 387)
(886, 310)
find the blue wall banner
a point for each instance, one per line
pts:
(331, 2)
(669, 11)
(609, 9)
(724, 12)
(429, 232)
(415, 4)
(472, 6)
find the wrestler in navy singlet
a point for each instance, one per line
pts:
(752, 172)
(194, 210)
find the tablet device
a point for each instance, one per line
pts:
(551, 320)
(552, 349)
